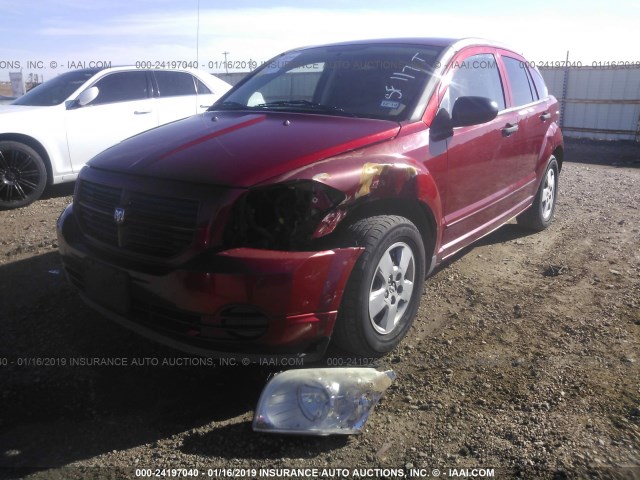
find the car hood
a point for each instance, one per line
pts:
(19, 109)
(30, 120)
(240, 149)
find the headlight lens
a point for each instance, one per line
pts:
(321, 401)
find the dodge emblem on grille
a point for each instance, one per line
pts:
(118, 215)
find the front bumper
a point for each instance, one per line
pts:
(242, 302)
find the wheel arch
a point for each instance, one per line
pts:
(414, 210)
(559, 154)
(36, 145)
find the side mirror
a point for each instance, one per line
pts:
(88, 96)
(441, 127)
(469, 111)
(255, 99)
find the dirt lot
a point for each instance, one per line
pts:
(525, 359)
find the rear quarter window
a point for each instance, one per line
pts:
(201, 88)
(538, 81)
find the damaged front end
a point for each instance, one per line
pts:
(300, 214)
(286, 216)
(249, 278)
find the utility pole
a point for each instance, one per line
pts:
(198, 38)
(226, 65)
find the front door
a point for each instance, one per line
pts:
(123, 108)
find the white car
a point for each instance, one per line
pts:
(48, 134)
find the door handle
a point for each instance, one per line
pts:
(545, 116)
(509, 129)
(205, 106)
(141, 112)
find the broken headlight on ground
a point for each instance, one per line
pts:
(281, 217)
(320, 401)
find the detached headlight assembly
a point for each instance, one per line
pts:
(320, 401)
(281, 217)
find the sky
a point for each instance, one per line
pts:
(48, 37)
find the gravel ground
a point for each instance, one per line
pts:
(524, 359)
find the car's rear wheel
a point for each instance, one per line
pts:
(382, 296)
(23, 175)
(539, 215)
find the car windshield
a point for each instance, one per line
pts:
(371, 81)
(56, 90)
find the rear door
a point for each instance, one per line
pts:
(176, 96)
(206, 96)
(531, 116)
(123, 108)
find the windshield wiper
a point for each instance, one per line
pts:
(228, 105)
(306, 104)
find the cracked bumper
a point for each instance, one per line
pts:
(242, 301)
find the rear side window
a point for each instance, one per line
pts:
(476, 76)
(538, 81)
(521, 88)
(122, 87)
(175, 84)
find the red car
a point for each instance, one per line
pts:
(310, 202)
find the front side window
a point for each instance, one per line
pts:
(174, 84)
(521, 89)
(56, 90)
(476, 76)
(122, 87)
(371, 81)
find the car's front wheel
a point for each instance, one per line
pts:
(23, 175)
(382, 296)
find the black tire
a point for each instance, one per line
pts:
(23, 175)
(540, 214)
(377, 311)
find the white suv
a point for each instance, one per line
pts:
(48, 134)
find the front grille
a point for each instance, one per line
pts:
(164, 318)
(243, 322)
(191, 327)
(153, 225)
(235, 324)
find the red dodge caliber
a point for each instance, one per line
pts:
(310, 202)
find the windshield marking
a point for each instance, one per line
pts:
(391, 91)
(400, 76)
